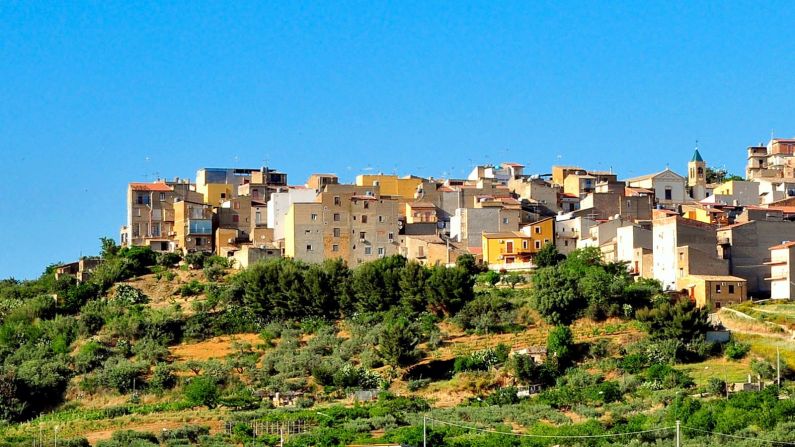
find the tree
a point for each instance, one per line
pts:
(398, 341)
(202, 391)
(681, 321)
(467, 262)
(513, 279)
(763, 369)
(560, 347)
(413, 287)
(555, 295)
(449, 289)
(109, 248)
(549, 256)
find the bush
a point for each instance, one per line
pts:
(192, 288)
(163, 377)
(121, 374)
(736, 350)
(168, 259)
(202, 391)
(214, 272)
(129, 295)
(90, 356)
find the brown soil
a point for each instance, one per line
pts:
(214, 348)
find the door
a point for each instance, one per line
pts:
(509, 247)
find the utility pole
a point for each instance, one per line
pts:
(678, 439)
(424, 434)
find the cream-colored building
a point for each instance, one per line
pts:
(782, 271)
(713, 291)
(354, 223)
(150, 213)
(668, 186)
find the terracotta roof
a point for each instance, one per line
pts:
(157, 186)
(475, 250)
(784, 245)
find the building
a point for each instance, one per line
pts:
(697, 177)
(517, 249)
(782, 271)
(668, 186)
(775, 160)
(683, 247)
(353, 223)
(775, 189)
(634, 245)
(746, 247)
(502, 174)
(468, 224)
(150, 213)
(420, 212)
(609, 204)
(248, 255)
(569, 230)
(80, 270)
(538, 193)
(735, 192)
(430, 250)
(279, 204)
(401, 188)
(713, 291)
(193, 227)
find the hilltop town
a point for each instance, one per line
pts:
(720, 238)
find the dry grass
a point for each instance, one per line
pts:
(214, 348)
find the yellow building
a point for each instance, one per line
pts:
(392, 185)
(420, 212)
(518, 246)
(215, 193)
(714, 291)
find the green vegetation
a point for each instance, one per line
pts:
(314, 334)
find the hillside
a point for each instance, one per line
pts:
(191, 351)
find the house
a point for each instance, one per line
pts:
(502, 174)
(579, 183)
(80, 270)
(420, 212)
(219, 184)
(775, 189)
(735, 192)
(430, 250)
(746, 247)
(683, 247)
(352, 223)
(248, 255)
(668, 186)
(775, 160)
(234, 224)
(634, 245)
(468, 224)
(516, 249)
(713, 291)
(782, 271)
(537, 192)
(279, 204)
(401, 188)
(608, 204)
(150, 213)
(569, 230)
(193, 227)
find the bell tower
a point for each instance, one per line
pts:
(696, 170)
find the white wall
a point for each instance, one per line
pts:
(279, 204)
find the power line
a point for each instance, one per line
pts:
(770, 441)
(608, 435)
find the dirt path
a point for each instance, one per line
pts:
(736, 326)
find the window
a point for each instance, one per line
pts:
(364, 218)
(335, 248)
(380, 218)
(258, 218)
(505, 221)
(381, 251)
(136, 230)
(235, 218)
(143, 199)
(313, 216)
(681, 272)
(420, 251)
(362, 235)
(391, 236)
(162, 197)
(525, 244)
(236, 205)
(199, 241)
(156, 229)
(538, 230)
(308, 247)
(366, 204)
(368, 250)
(681, 256)
(717, 288)
(337, 201)
(336, 232)
(668, 193)
(336, 217)
(223, 195)
(731, 288)
(255, 193)
(138, 212)
(566, 243)
(538, 245)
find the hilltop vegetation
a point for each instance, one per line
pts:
(216, 345)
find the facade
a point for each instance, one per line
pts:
(683, 247)
(353, 223)
(404, 188)
(607, 205)
(775, 160)
(569, 230)
(193, 227)
(430, 250)
(633, 242)
(150, 213)
(669, 187)
(713, 291)
(735, 192)
(420, 212)
(279, 204)
(745, 245)
(782, 271)
(537, 193)
(468, 224)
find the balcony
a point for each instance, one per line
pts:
(200, 226)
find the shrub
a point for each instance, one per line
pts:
(192, 288)
(90, 356)
(127, 294)
(163, 377)
(168, 259)
(196, 260)
(735, 350)
(121, 374)
(214, 272)
(202, 390)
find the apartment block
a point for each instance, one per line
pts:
(683, 247)
(782, 271)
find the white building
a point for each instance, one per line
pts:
(669, 187)
(782, 276)
(279, 204)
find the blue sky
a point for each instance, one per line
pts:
(96, 94)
